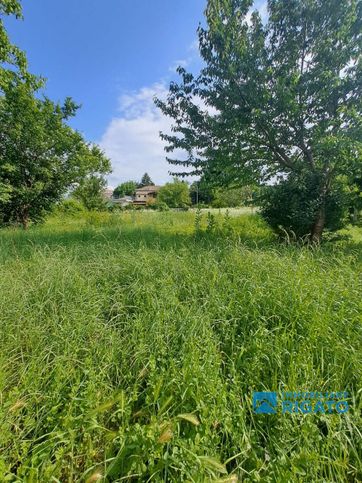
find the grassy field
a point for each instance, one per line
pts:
(131, 344)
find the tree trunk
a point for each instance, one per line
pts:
(25, 223)
(320, 218)
(355, 215)
(24, 218)
(318, 225)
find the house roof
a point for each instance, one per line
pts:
(148, 189)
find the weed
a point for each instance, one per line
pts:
(130, 350)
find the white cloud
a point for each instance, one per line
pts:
(179, 63)
(193, 57)
(194, 46)
(132, 140)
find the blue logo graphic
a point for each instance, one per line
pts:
(265, 402)
(302, 402)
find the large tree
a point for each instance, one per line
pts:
(279, 97)
(41, 156)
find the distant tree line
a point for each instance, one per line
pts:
(179, 194)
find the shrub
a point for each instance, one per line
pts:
(160, 206)
(151, 204)
(291, 205)
(175, 194)
(69, 207)
(90, 192)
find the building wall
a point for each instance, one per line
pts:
(142, 197)
(145, 196)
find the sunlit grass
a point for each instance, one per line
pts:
(131, 346)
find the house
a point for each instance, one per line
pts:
(108, 194)
(124, 201)
(145, 194)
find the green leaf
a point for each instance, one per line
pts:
(213, 464)
(191, 418)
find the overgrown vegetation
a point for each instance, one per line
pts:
(131, 344)
(300, 195)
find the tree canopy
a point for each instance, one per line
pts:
(274, 98)
(41, 156)
(13, 61)
(9, 54)
(175, 194)
(146, 181)
(90, 192)
(127, 188)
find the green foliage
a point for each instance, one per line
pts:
(197, 223)
(201, 192)
(205, 193)
(233, 197)
(175, 194)
(146, 181)
(292, 205)
(125, 189)
(10, 56)
(211, 223)
(69, 206)
(129, 347)
(40, 155)
(10, 7)
(227, 224)
(13, 62)
(90, 192)
(355, 198)
(160, 205)
(277, 98)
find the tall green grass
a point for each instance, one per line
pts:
(131, 345)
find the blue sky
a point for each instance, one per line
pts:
(113, 56)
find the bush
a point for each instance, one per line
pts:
(291, 206)
(69, 207)
(151, 204)
(175, 194)
(90, 192)
(160, 206)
